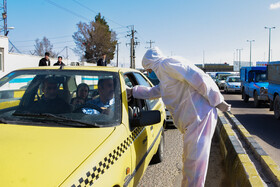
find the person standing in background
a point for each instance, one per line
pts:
(102, 61)
(46, 60)
(59, 62)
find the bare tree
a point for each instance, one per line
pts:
(95, 39)
(44, 46)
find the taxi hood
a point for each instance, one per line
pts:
(44, 156)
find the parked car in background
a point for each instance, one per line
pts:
(221, 80)
(90, 143)
(254, 84)
(273, 74)
(232, 84)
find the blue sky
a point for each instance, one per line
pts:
(178, 27)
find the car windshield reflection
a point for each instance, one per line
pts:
(84, 97)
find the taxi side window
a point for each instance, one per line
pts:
(127, 81)
(130, 81)
(142, 81)
(134, 105)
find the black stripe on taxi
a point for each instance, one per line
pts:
(103, 165)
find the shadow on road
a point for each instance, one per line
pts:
(250, 104)
(170, 126)
(258, 121)
(264, 126)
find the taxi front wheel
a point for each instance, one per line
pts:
(158, 157)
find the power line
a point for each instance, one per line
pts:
(58, 37)
(51, 43)
(67, 10)
(96, 12)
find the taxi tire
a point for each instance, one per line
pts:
(276, 106)
(158, 157)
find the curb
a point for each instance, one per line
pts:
(270, 167)
(239, 167)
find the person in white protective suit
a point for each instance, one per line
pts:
(191, 96)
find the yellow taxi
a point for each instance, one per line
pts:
(74, 126)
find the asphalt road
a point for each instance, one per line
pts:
(260, 122)
(169, 172)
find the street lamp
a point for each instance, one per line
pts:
(269, 28)
(8, 28)
(239, 50)
(250, 51)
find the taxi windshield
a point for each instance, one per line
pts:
(79, 98)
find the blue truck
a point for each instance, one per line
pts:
(273, 74)
(254, 84)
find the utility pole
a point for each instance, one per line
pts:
(4, 18)
(66, 52)
(250, 51)
(203, 61)
(150, 42)
(118, 54)
(239, 50)
(132, 47)
(269, 28)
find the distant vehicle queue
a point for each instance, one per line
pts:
(260, 83)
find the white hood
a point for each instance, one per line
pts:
(188, 93)
(151, 58)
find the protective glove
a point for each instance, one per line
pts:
(128, 93)
(223, 106)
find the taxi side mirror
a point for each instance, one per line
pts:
(145, 118)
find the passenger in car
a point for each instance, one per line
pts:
(82, 95)
(106, 94)
(50, 102)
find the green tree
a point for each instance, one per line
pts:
(95, 39)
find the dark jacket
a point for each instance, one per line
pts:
(101, 63)
(44, 62)
(57, 64)
(53, 106)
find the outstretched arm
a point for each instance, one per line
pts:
(143, 92)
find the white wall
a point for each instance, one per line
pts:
(13, 61)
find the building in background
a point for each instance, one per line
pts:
(215, 67)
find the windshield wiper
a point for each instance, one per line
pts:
(3, 121)
(52, 117)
